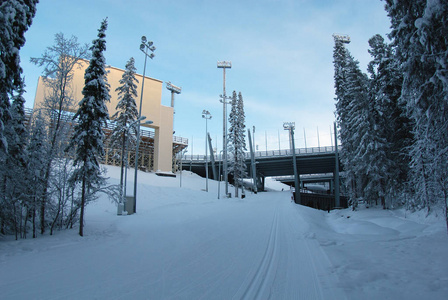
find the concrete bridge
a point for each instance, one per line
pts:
(318, 161)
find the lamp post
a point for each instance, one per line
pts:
(207, 116)
(144, 47)
(135, 123)
(124, 183)
(224, 65)
(182, 153)
(219, 173)
(290, 126)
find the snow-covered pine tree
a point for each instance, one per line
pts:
(237, 140)
(232, 140)
(392, 129)
(36, 151)
(15, 18)
(14, 164)
(419, 30)
(126, 114)
(359, 122)
(241, 149)
(91, 116)
(352, 116)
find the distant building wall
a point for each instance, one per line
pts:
(162, 116)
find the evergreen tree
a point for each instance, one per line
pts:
(15, 18)
(91, 116)
(232, 140)
(237, 142)
(126, 114)
(36, 150)
(241, 150)
(14, 166)
(352, 109)
(392, 129)
(419, 30)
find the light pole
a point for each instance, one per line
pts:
(224, 65)
(290, 126)
(174, 90)
(182, 153)
(219, 173)
(144, 47)
(124, 183)
(207, 116)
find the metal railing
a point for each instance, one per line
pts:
(68, 118)
(269, 153)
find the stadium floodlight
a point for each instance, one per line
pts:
(224, 65)
(144, 47)
(289, 125)
(174, 90)
(344, 38)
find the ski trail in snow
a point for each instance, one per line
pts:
(258, 284)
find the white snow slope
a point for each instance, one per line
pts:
(184, 243)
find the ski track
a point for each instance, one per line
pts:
(257, 249)
(258, 283)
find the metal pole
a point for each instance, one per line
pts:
(296, 175)
(180, 177)
(224, 147)
(318, 139)
(278, 134)
(304, 137)
(266, 141)
(138, 134)
(206, 156)
(219, 173)
(252, 160)
(224, 65)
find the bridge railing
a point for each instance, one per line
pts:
(268, 153)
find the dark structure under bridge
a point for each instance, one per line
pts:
(322, 163)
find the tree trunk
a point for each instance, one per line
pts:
(83, 200)
(34, 217)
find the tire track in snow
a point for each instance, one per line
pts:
(259, 281)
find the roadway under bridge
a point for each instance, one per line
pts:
(313, 165)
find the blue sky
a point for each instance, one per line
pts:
(281, 53)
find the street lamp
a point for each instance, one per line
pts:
(290, 126)
(219, 173)
(144, 47)
(125, 160)
(207, 116)
(224, 65)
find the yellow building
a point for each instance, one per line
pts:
(156, 148)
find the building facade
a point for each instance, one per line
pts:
(157, 144)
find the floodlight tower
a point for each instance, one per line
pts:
(144, 47)
(224, 65)
(174, 90)
(344, 38)
(290, 126)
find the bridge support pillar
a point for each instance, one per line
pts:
(212, 157)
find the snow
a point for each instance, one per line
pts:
(184, 243)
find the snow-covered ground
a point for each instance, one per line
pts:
(184, 243)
